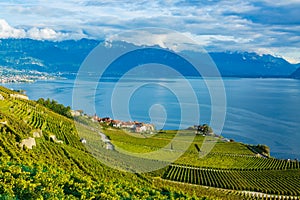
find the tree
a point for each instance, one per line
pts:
(204, 129)
(56, 107)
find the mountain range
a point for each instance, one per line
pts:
(66, 57)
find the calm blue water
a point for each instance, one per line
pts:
(264, 111)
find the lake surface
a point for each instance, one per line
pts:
(258, 111)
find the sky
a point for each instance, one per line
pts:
(261, 26)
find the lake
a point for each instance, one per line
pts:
(258, 111)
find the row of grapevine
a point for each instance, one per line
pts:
(285, 182)
(6, 91)
(248, 162)
(52, 171)
(45, 120)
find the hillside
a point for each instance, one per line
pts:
(296, 74)
(44, 56)
(41, 157)
(57, 164)
(245, 64)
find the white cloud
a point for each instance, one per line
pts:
(6, 31)
(164, 38)
(45, 34)
(217, 25)
(290, 54)
(281, 2)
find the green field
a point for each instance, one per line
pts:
(72, 170)
(229, 165)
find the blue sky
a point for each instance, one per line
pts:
(262, 26)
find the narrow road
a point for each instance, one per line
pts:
(104, 138)
(107, 141)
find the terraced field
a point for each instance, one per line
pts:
(69, 170)
(230, 166)
(267, 181)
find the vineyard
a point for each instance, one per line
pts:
(69, 170)
(242, 162)
(62, 171)
(281, 182)
(39, 118)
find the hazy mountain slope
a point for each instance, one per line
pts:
(64, 56)
(67, 56)
(246, 64)
(296, 74)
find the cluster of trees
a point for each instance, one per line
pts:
(204, 129)
(56, 107)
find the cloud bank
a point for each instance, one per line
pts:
(262, 26)
(6, 31)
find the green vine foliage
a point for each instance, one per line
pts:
(62, 168)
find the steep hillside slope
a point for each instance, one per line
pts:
(41, 157)
(58, 164)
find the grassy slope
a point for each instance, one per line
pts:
(69, 170)
(52, 170)
(224, 155)
(229, 165)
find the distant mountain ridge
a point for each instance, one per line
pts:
(67, 56)
(245, 64)
(48, 56)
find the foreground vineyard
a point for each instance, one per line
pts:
(67, 170)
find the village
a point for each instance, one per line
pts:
(132, 126)
(8, 75)
(138, 127)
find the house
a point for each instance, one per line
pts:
(134, 126)
(95, 118)
(150, 127)
(116, 123)
(76, 113)
(83, 141)
(141, 127)
(128, 125)
(106, 120)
